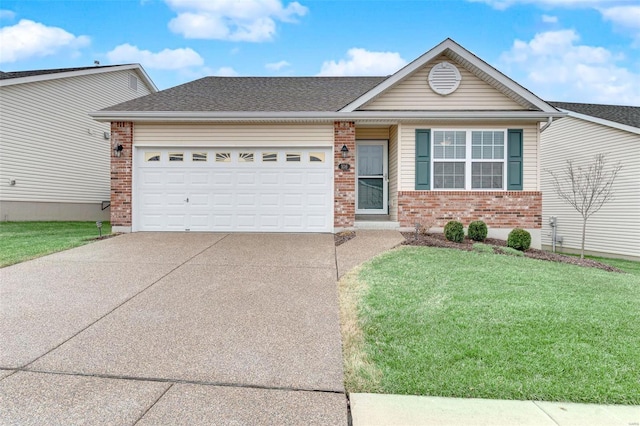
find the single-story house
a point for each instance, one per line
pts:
(54, 158)
(446, 137)
(591, 129)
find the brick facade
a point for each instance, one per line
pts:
(344, 133)
(121, 172)
(511, 209)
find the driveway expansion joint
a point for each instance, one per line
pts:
(545, 412)
(181, 381)
(153, 404)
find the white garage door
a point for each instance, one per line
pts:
(233, 189)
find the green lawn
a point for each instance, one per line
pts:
(20, 241)
(445, 322)
(628, 266)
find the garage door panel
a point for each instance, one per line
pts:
(234, 195)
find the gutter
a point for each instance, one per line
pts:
(549, 121)
(311, 116)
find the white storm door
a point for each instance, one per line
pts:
(372, 186)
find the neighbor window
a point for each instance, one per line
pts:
(468, 159)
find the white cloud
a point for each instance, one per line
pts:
(626, 18)
(27, 39)
(7, 14)
(556, 67)
(549, 19)
(361, 62)
(505, 4)
(167, 59)
(246, 20)
(277, 66)
(225, 72)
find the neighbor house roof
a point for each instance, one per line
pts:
(626, 115)
(11, 78)
(255, 94)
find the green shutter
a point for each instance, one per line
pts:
(423, 158)
(514, 159)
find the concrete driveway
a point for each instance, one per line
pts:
(174, 328)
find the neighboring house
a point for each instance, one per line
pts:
(589, 130)
(54, 158)
(446, 137)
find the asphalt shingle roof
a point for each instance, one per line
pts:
(628, 115)
(265, 94)
(19, 74)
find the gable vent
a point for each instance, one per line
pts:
(444, 78)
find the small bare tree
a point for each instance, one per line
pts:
(586, 189)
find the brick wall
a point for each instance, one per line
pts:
(121, 169)
(344, 133)
(521, 209)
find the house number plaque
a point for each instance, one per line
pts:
(344, 166)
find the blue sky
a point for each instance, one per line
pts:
(566, 50)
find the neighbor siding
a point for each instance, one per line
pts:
(408, 146)
(414, 93)
(615, 228)
(50, 145)
(232, 135)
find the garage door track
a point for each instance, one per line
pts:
(174, 328)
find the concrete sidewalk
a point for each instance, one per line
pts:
(375, 409)
(366, 245)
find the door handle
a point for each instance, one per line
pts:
(187, 200)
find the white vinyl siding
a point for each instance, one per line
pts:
(414, 93)
(616, 227)
(50, 145)
(233, 135)
(408, 148)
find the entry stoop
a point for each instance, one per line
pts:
(378, 221)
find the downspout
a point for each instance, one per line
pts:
(549, 121)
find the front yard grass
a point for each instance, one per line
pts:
(20, 241)
(443, 322)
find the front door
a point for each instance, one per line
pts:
(372, 189)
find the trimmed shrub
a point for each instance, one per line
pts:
(478, 230)
(519, 239)
(483, 248)
(454, 231)
(511, 251)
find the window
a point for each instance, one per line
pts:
(268, 157)
(223, 157)
(199, 156)
(469, 159)
(245, 157)
(151, 156)
(293, 157)
(316, 157)
(176, 156)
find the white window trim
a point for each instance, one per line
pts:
(468, 160)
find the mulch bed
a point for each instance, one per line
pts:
(438, 240)
(343, 237)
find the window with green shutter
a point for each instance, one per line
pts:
(423, 159)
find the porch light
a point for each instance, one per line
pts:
(344, 151)
(117, 150)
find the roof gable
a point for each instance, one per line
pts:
(23, 77)
(414, 93)
(468, 61)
